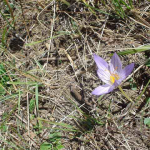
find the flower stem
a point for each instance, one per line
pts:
(120, 88)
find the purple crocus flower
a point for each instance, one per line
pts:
(112, 74)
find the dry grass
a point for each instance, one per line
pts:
(48, 59)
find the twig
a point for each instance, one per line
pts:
(54, 58)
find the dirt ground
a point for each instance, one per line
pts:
(49, 58)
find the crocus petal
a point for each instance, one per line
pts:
(104, 75)
(104, 89)
(126, 71)
(117, 83)
(115, 64)
(101, 63)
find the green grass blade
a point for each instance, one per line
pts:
(135, 50)
(37, 97)
(143, 90)
(130, 3)
(9, 97)
(65, 2)
(6, 19)
(19, 99)
(56, 123)
(4, 36)
(103, 12)
(37, 42)
(21, 83)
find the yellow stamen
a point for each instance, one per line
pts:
(114, 77)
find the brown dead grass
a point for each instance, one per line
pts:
(68, 75)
